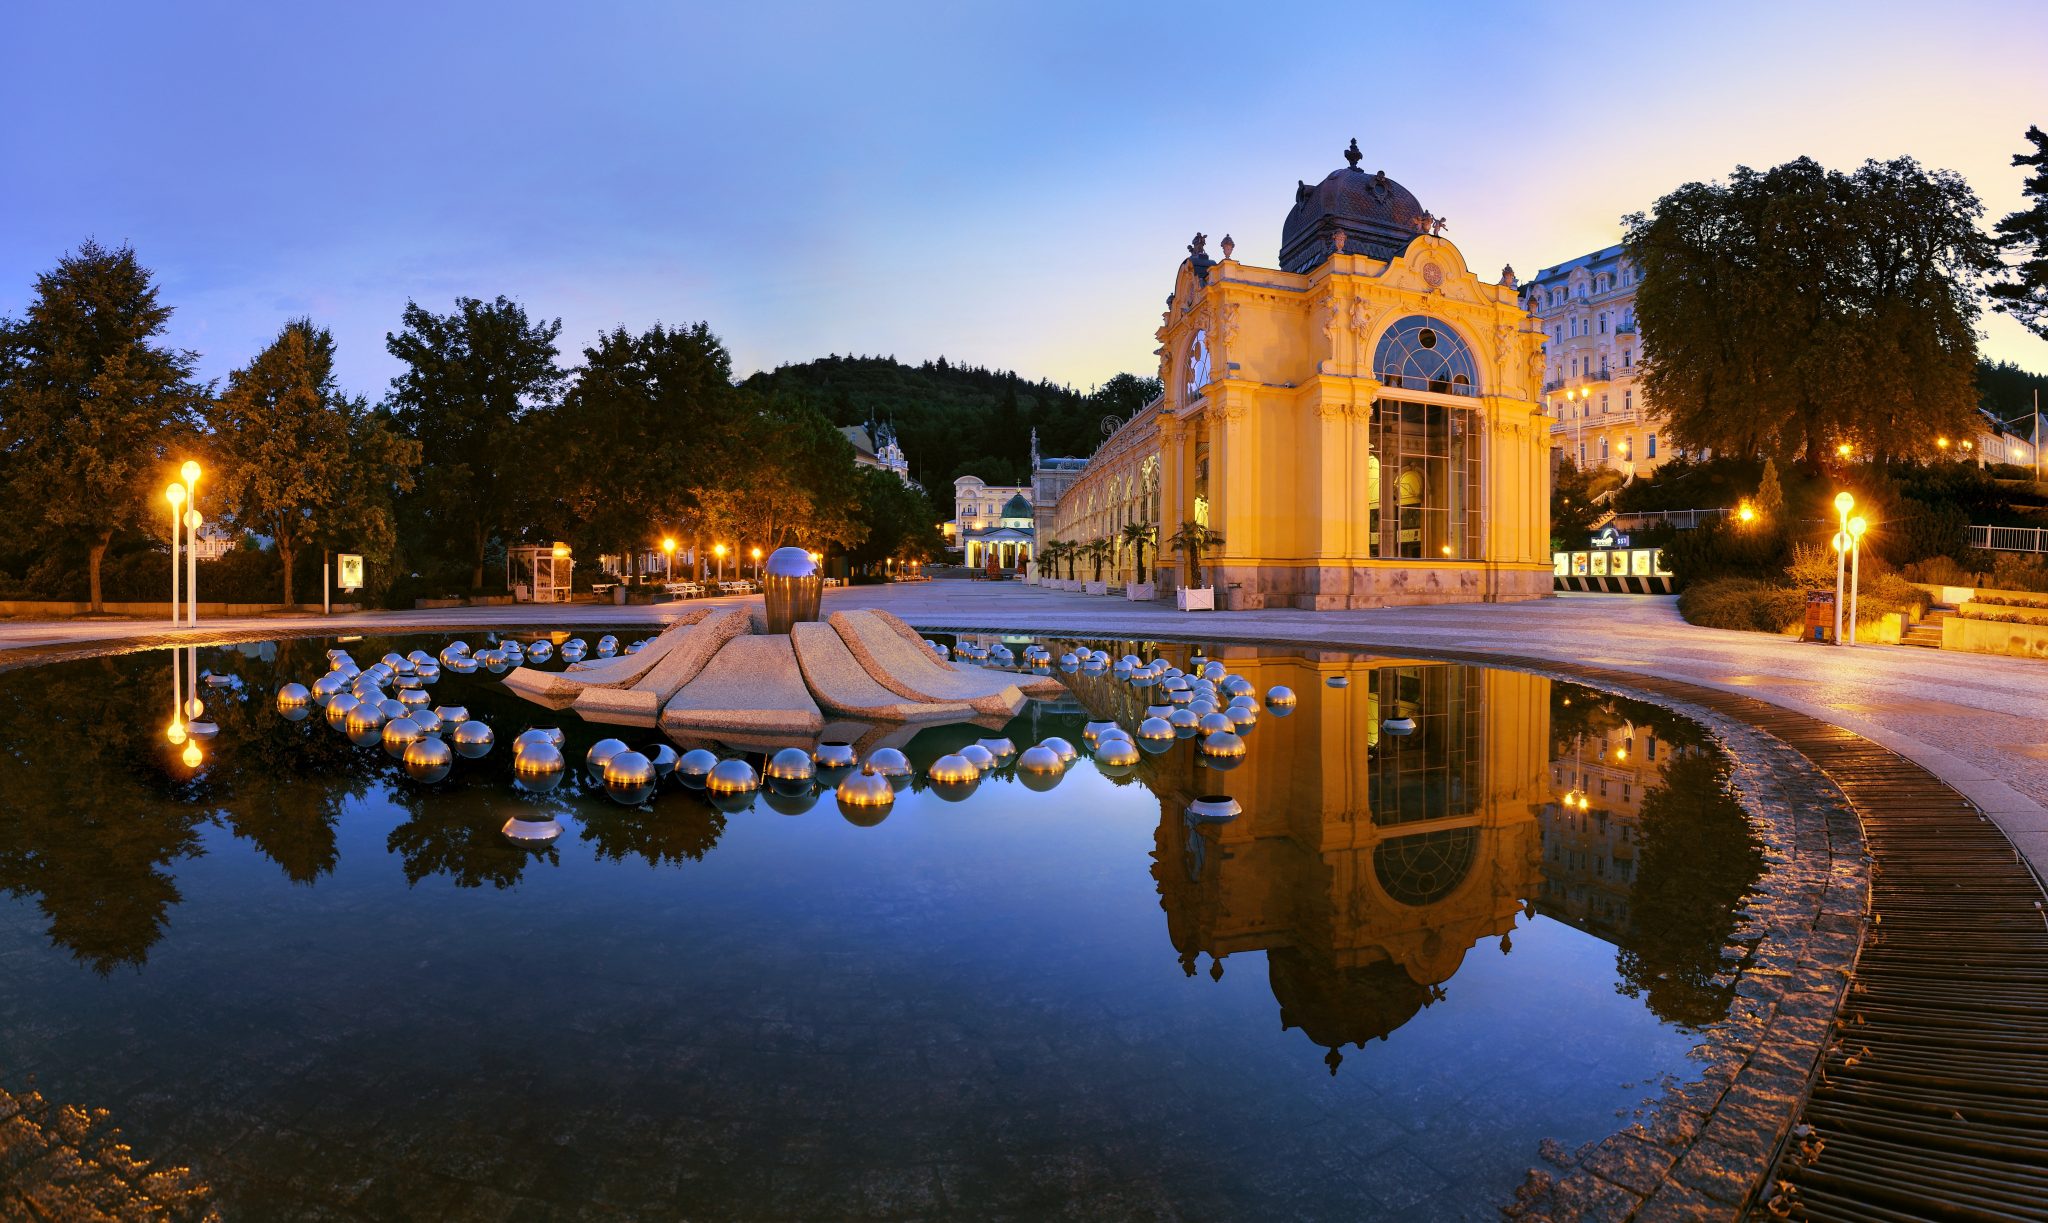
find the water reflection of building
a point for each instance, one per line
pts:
(1592, 824)
(1365, 863)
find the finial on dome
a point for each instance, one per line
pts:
(1228, 246)
(1352, 154)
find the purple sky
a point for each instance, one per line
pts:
(1009, 186)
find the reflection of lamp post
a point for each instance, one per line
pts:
(1844, 502)
(175, 494)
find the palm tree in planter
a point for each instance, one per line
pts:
(1050, 554)
(1098, 553)
(1192, 541)
(1139, 536)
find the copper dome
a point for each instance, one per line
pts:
(1377, 216)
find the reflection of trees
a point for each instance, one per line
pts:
(94, 815)
(1698, 861)
(680, 828)
(460, 835)
(1661, 856)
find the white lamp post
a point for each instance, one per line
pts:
(1844, 502)
(192, 520)
(175, 494)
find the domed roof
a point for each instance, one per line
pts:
(1377, 216)
(1017, 507)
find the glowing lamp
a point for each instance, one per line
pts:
(190, 471)
(668, 545)
(1844, 502)
(192, 756)
(175, 494)
(1746, 512)
(1857, 526)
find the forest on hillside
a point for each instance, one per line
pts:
(954, 420)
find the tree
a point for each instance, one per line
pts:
(1138, 536)
(300, 460)
(1572, 508)
(898, 520)
(1770, 497)
(472, 377)
(1192, 540)
(2022, 289)
(791, 477)
(90, 403)
(1097, 552)
(1786, 310)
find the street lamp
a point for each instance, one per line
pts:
(175, 494)
(757, 564)
(1745, 513)
(1844, 502)
(668, 558)
(719, 552)
(192, 520)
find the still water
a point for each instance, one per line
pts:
(334, 991)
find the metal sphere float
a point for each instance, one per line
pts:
(401, 733)
(428, 760)
(694, 767)
(980, 757)
(538, 767)
(1061, 747)
(471, 740)
(629, 778)
(790, 771)
(600, 752)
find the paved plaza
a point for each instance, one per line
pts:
(1976, 721)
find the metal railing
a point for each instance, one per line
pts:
(1684, 520)
(2009, 539)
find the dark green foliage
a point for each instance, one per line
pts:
(955, 420)
(472, 377)
(2022, 289)
(91, 403)
(1572, 509)
(1796, 307)
(2007, 392)
(1744, 604)
(898, 520)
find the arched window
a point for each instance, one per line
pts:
(1421, 353)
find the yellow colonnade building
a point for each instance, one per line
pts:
(1361, 426)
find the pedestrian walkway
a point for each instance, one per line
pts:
(1974, 720)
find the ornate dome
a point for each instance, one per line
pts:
(1377, 216)
(1017, 507)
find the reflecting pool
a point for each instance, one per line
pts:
(1460, 911)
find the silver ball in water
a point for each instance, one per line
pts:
(339, 706)
(392, 706)
(428, 721)
(429, 760)
(428, 672)
(550, 735)
(532, 834)
(293, 701)
(864, 798)
(694, 767)
(401, 733)
(498, 663)
(1213, 809)
(607, 646)
(365, 726)
(599, 753)
(629, 778)
(1213, 722)
(664, 758)
(1116, 756)
(953, 777)
(538, 768)
(998, 746)
(889, 762)
(472, 739)
(540, 651)
(1184, 723)
(1222, 750)
(1060, 747)
(790, 771)
(1040, 768)
(452, 714)
(466, 665)
(980, 757)
(731, 776)
(835, 754)
(414, 698)
(1242, 717)
(781, 804)
(1338, 681)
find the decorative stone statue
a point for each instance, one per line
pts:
(1198, 255)
(1507, 276)
(1229, 247)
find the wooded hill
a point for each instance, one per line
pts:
(955, 420)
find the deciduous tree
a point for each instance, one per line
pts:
(1786, 310)
(302, 462)
(471, 379)
(91, 400)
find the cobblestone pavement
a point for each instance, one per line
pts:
(1976, 721)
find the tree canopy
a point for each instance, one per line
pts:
(1786, 310)
(2022, 288)
(300, 461)
(471, 378)
(91, 401)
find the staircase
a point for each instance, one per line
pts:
(1927, 633)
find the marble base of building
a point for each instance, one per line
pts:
(1408, 583)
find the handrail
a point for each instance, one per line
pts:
(2009, 539)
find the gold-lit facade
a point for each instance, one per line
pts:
(1362, 426)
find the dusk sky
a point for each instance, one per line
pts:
(1005, 186)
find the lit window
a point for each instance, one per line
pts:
(1603, 450)
(1650, 447)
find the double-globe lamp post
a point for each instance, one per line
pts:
(1848, 543)
(184, 499)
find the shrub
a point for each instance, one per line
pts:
(1723, 549)
(1743, 604)
(1938, 571)
(2018, 571)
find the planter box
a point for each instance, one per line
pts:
(1994, 637)
(1195, 598)
(1095, 588)
(1141, 592)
